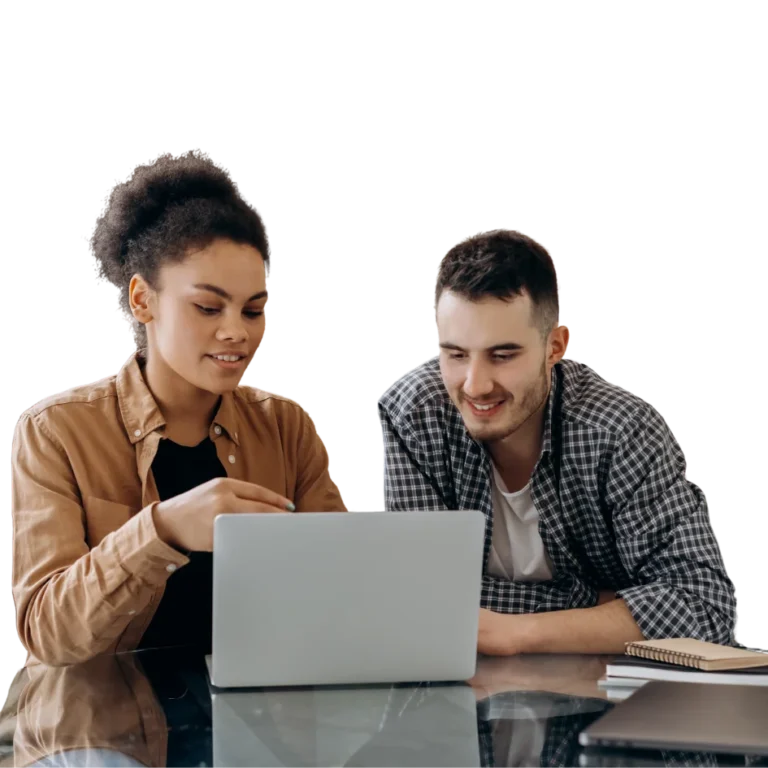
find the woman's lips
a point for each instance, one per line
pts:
(227, 365)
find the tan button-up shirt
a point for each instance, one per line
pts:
(88, 567)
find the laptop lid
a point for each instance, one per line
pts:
(346, 598)
(686, 716)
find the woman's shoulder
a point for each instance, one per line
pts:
(260, 400)
(86, 399)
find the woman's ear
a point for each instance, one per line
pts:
(140, 296)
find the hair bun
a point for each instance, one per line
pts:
(163, 210)
(192, 178)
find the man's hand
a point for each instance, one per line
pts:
(496, 634)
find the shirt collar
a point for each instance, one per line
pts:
(141, 414)
(549, 411)
(226, 417)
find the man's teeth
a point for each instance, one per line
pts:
(227, 358)
(484, 407)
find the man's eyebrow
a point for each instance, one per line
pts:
(509, 346)
(224, 295)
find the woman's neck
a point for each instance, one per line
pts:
(187, 410)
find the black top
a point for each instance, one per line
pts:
(184, 614)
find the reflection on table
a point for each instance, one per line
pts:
(157, 708)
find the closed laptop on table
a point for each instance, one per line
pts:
(686, 716)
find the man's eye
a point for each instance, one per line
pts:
(456, 355)
(498, 358)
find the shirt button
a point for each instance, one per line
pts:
(170, 568)
(137, 433)
(217, 429)
(231, 458)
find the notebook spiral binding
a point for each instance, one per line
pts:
(668, 657)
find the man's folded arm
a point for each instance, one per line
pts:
(665, 539)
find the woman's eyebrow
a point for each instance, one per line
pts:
(224, 295)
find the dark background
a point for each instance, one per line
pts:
(656, 287)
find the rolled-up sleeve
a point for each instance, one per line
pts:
(665, 539)
(73, 602)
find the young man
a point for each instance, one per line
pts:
(594, 537)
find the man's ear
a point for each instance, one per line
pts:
(559, 341)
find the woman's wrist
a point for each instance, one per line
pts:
(160, 520)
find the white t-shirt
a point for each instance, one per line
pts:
(517, 551)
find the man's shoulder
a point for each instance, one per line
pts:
(591, 402)
(418, 391)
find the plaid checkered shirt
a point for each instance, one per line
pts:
(615, 509)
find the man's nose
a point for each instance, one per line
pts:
(478, 382)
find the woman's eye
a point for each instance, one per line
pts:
(213, 311)
(252, 314)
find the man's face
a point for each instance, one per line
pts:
(493, 361)
(207, 306)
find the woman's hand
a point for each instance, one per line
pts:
(186, 521)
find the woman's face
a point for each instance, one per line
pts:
(207, 315)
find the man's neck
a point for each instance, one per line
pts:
(515, 463)
(516, 456)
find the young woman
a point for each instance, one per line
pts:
(116, 484)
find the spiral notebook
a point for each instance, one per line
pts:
(686, 652)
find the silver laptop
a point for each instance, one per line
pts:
(686, 716)
(345, 598)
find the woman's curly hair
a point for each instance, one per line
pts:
(161, 212)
